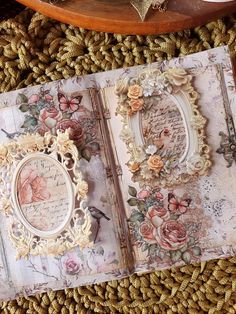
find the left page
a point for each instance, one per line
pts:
(69, 104)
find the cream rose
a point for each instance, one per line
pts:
(195, 163)
(155, 163)
(136, 104)
(3, 153)
(178, 77)
(135, 91)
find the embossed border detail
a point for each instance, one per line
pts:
(134, 96)
(77, 228)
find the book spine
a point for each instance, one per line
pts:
(114, 171)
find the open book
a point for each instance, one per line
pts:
(109, 174)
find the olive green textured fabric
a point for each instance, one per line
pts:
(34, 50)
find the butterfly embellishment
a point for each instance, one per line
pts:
(178, 206)
(72, 104)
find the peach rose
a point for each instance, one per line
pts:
(157, 215)
(155, 163)
(134, 167)
(172, 235)
(147, 232)
(136, 104)
(135, 91)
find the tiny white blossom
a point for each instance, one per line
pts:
(151, 150)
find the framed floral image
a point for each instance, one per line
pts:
(163, 128)
(43, 194)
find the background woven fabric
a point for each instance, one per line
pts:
(34, 50)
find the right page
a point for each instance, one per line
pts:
(174, 137)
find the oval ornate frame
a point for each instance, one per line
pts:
(135, 96)
(17, 207)
(76, 228)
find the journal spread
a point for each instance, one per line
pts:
(115, 173)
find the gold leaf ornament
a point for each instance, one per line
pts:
(143, 6)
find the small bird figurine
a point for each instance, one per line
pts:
(10, 135)
(97, 214)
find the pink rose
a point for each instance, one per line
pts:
(72, 266)
(33, 99)
(76, 132)
(159, 196)
(171, 235)
(157, 215)
(49, 117)
(143, 194)
(147, 232)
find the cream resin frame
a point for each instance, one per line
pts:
(61, 152)
(134, 95)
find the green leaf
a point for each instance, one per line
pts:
(29, 122)
(95, 146)
(86, 154)
(191, 241)
(174, 217)
(175, 256)
(22, 98)
(136, 217)
(144, 247)
(24, 107)
(153, 250)
(161, 254)
(132, 202)
(132, 191)
(186, 257)
(196, 250)
(141, 206)
(33, 109)
(67, 115)
(184, 248)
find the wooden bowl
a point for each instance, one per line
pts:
(118, 16)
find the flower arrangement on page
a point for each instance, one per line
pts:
(117, 172)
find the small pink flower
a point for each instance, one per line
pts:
(72, 265)
(159, 196)
(33, 99)
(147, 232)
(143, 194)
(48, 97)
(171, 235)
